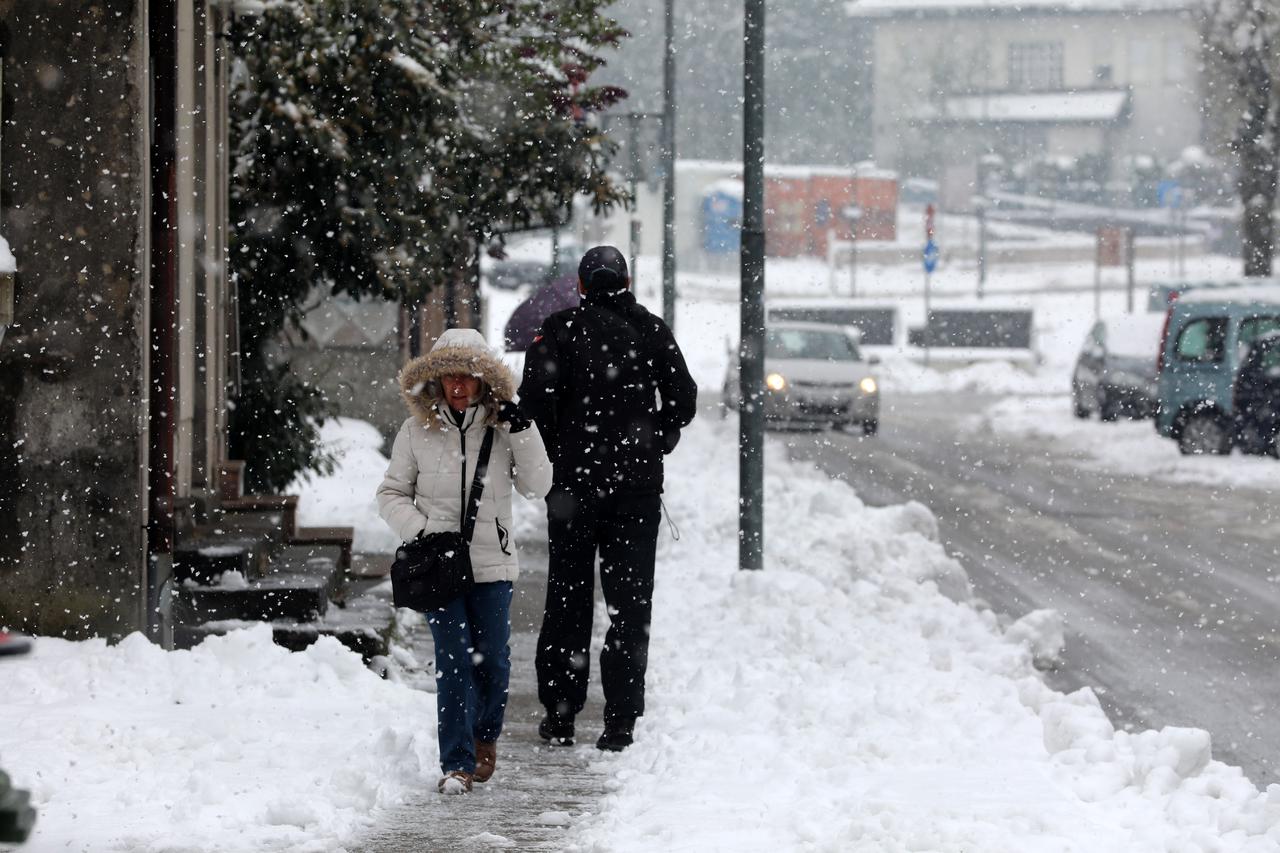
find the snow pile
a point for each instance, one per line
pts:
(1124, 448)
(236, 745)
(1044, 633)
(347, 497)
(8, 263)
(900, 375)
(850, 698)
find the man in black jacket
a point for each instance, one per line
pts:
(608, 387)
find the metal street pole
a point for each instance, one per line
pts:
(669, 168)
(982, 247)
(633, 144)
(751, 353)
(1128, 262)
(982, 225)
(928, 327)
(555, 248)
(853, 261)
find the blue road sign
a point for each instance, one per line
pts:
(1169, 194)
(930, 256)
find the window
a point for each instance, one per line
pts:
(1255, 327)
(1142, 61)
(1267, 361)
(1103, 59)
(1035, 65)
(1175, 60)
(803, 343)
(1203, 340)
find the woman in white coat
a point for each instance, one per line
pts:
(454, 393)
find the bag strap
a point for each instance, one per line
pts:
(477, 485)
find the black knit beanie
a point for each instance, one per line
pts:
(603, 268)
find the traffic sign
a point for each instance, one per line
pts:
(1169, 194)
(930, 256)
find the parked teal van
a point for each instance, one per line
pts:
(1206, 334)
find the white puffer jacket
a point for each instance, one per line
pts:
(422, 490)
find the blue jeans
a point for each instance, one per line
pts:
(473, 666)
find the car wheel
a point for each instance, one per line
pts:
(1202, 434)
(1108, 406)
(1077, 407)
(870, 427)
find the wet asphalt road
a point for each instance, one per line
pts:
(1171, 592)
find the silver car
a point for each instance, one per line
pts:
(814, 375)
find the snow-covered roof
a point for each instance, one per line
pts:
(899, 8)
(1136, 335)
(731, 187)
(733, 169)
(1033, 107)
(1266, 291)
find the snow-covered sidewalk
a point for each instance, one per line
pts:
(850, 697)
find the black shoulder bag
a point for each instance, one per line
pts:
(435, 568)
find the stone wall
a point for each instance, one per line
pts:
(71, 384)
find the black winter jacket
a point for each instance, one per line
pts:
(607, 385)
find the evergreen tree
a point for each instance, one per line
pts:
(379, 144)
(1242, 48)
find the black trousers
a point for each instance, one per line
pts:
(624, 529)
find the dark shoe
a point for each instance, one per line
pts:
(556, 729)
(455, 782)
(617, 735)
(486, 760)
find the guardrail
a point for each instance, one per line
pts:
(975, 329)
(877, 326)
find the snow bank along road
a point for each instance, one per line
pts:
(1170, 590)
(847, 698)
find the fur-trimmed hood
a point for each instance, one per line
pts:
(459, 352)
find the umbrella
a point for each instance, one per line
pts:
(526, 320)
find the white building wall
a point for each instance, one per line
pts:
(1154, 54)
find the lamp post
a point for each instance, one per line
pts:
(669, 170)
(980, 209)
(637, 174)
(987, 164)
(751, 356)
(853, 214)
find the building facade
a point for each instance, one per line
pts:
(115, 370)
(1110, 80)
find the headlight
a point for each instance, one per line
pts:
(775, 382)
(868, 385)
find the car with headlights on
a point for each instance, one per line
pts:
(814, 375)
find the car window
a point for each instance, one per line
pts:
(1253, 328)
(810, 343)
(1266, 360)
(1203, 340)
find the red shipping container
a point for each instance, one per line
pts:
(830, 195)
(803, 205)
(786, 216)
(877, 196)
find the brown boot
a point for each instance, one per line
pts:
(486, 760)
(455, 782)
